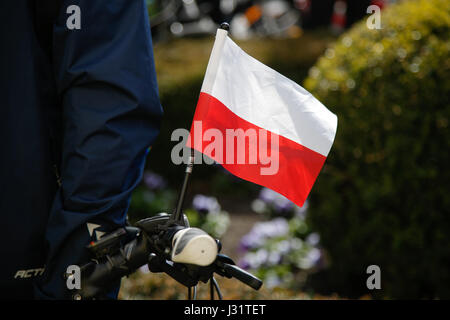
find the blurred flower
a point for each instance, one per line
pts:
(203, 203)
(274, 258)
(283, 247)
(274, 228)
(272, 280)
(154, 181)
(313, 239)
(251, 240)
(277, 201)
(276, 249)
(296, 243)
(267, 195)
(283, 204)
(258, 206)
(311, 259)
(262, 231)
(207, 215)
(261, 255)
(254, 260)
(243, 263)
(216, 223)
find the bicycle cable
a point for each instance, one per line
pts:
(216, 285)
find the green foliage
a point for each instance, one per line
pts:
(146, 203)
(382, 197)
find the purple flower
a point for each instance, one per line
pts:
(250, 241)
(250, 261)
(276, 227)
(203, 203)
(154, 181)
(283, 204)
(267, 195)
(279, 202)
(262, 231)
(244, 264)
(257, 259)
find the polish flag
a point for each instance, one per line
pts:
(292, 126)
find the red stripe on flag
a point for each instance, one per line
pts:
(298, 166)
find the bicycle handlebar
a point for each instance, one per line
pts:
(125, 250)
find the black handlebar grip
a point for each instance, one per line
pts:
(97, 278)
(243, 276)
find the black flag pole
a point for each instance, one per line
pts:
(177, 215)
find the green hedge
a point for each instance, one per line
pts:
(383, 196)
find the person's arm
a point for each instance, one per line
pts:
(111, 114)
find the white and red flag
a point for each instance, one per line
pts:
(270, 117)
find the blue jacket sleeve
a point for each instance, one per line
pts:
(105, 78)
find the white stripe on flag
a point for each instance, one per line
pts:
(264, 97)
